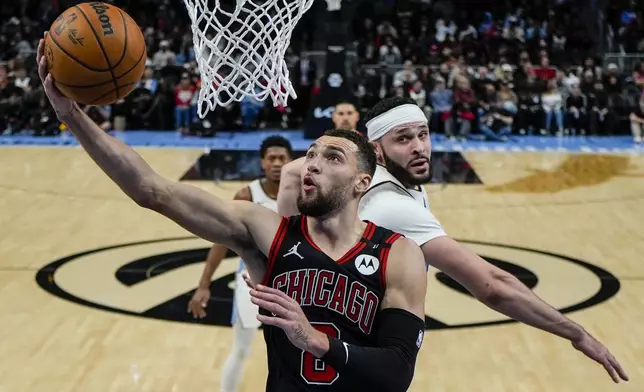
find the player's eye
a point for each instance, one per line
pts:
(310, 155)
(334, 158)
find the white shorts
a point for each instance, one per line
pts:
(244, 311)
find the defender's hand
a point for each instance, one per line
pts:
(198, 303)
(62, 105)
(288, 316)
(248, 280)
(596, 351)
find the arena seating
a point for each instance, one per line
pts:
(523, 70)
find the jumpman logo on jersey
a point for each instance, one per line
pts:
(293, 251)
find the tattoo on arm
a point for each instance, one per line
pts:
(301, 335)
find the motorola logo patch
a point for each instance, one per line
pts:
(155, 279)
(367, 265)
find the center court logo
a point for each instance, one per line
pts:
(155, 279)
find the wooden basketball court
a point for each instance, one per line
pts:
(550, 214)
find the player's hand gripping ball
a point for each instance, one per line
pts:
(96, 53)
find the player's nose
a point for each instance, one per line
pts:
(313, 167)
(418, 146)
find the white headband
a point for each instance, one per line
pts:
(403, 114)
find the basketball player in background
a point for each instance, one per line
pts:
(345, 116)
(274, 152)
(397, 200)
(342, 299)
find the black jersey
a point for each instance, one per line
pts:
(340, 298)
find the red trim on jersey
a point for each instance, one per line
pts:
(305, 231)
(384, 255)
(353, 252)
(392, 238)
(275, 246)
(368, 233)
(358, 247)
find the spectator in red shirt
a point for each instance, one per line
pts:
(545, 71)
(183, 94)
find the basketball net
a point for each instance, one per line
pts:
(240, 49)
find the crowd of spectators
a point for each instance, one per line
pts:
(520, 68)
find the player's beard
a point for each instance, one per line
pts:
(403, 175)
(323, 203)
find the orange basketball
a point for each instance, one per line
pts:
(96, 53)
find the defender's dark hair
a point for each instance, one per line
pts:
(386, 105)
(366, 153)
(275, 141)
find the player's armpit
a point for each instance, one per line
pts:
(400, 331)
(290, 183)
(234, 224)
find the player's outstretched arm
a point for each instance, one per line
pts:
(506, 294)
(235, 224)
(289, 188)
(400, 327)
(200, 298)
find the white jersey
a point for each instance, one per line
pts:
(391, 205)
(258, 196)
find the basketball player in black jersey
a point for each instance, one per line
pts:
(343, 300)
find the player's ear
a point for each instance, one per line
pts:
(378, 148)
(362, 183)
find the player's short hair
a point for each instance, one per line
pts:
(346, 102)
(386, 105)
(366, 153)
(275, 141)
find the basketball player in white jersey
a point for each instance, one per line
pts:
(275, 152)
(397, 201)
